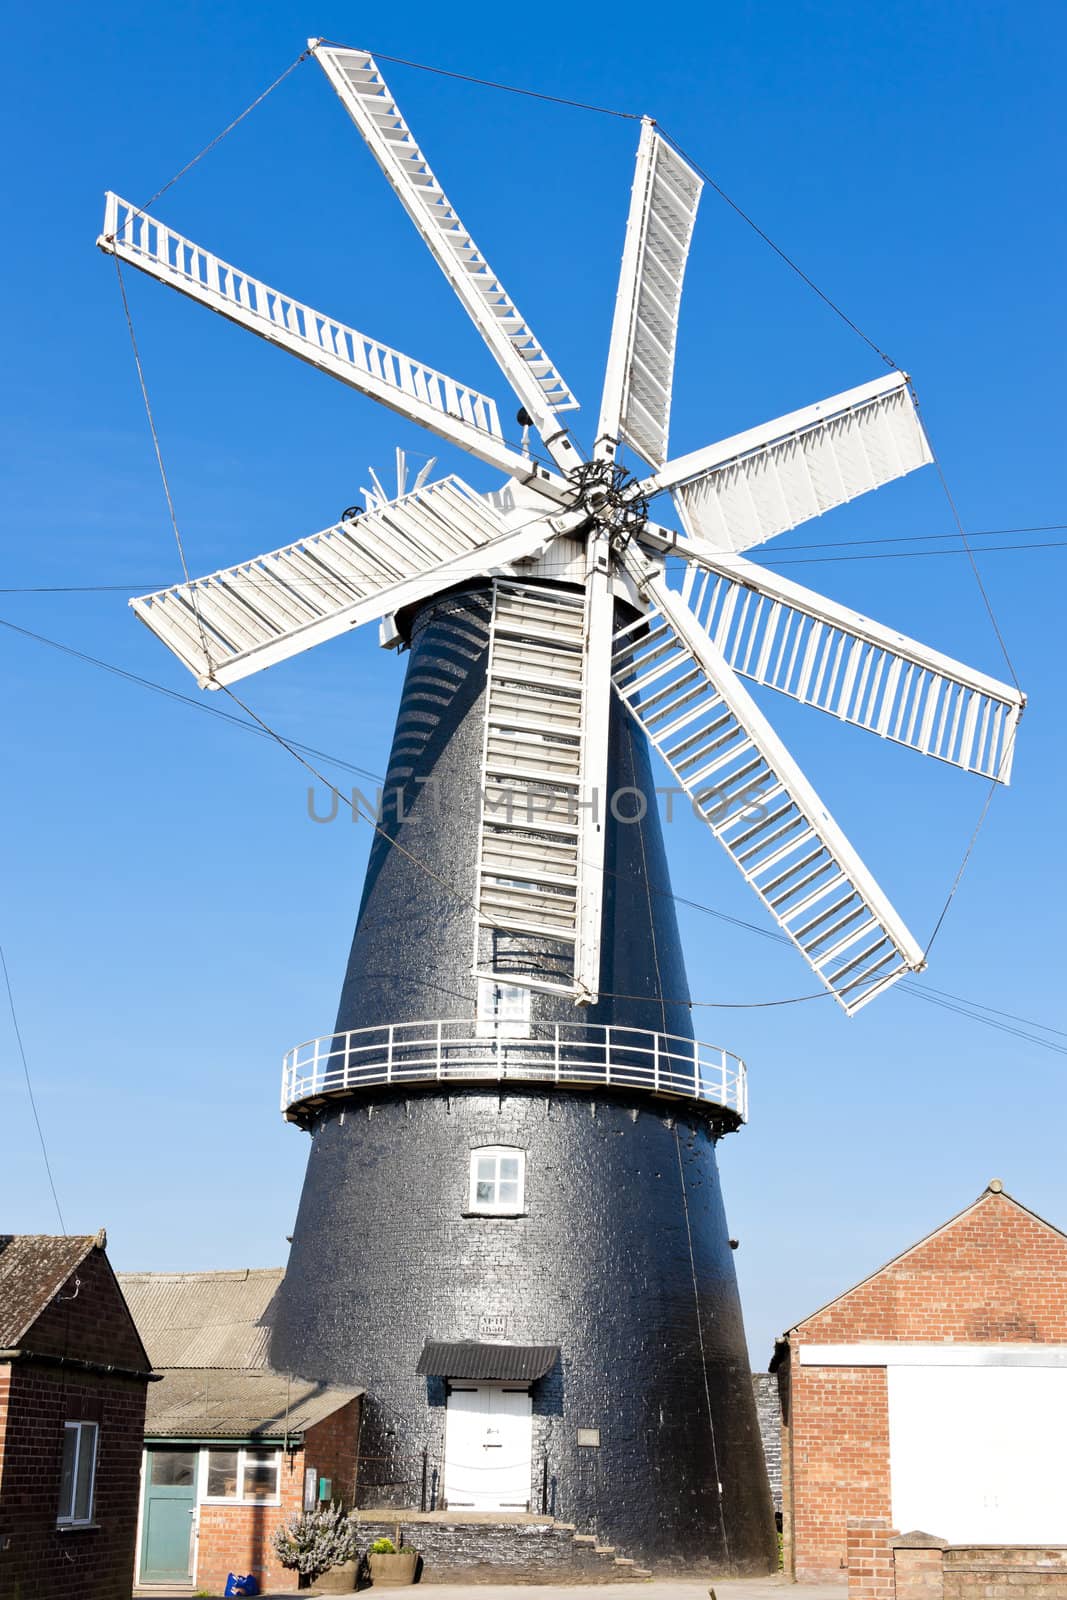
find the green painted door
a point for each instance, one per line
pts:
(167, 1521)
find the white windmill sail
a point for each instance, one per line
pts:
(236, 622)
(533, 376)
(757, 802)
(636, 405)
(826, 655)
(453, 410)
(759, 483)
(540, 855)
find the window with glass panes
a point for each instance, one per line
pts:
(79, 1471)
(498, 1180)
(503, 1010)
(240, 1474)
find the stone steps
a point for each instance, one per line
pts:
(476, 1549)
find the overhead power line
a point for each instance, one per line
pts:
(136, 586)
(974, 1010)
(29, 1089)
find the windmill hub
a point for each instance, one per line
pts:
(612, 497)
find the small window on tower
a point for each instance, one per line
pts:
(498, 1181)
(503, 1010)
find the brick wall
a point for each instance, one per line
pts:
(839, 1450)
(91, 1563)
(869, 1556)
(994, 1274)
(1005, 1572)
(237, 1538)
(89, 1319)
(883, 1565)
(331, 1447)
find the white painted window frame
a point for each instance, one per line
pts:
(494, 1207)
(82, 1431)
(241, 1499)
(503, 1010)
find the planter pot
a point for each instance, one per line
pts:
(337, 1580)
(392, 1572)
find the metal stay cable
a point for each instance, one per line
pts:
(490, 83)
(973, 840)
(782, 254)
(160, 464)
(1008, 662)
(982, 590)
(303, 56)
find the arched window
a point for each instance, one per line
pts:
(498, 1180)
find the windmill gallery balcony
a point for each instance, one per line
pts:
(578, 1055)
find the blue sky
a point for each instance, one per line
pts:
(172, 920)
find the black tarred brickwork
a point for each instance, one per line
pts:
(623, 1207)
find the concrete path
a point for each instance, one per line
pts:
(650, 1589)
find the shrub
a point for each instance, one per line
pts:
(383, 1547)
(310, 1542)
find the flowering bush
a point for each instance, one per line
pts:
(310, 1542)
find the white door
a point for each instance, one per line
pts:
(976, 1452)
(488, 1447)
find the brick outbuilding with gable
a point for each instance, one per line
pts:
(73, 1377)
(933, 1394)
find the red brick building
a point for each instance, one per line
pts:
(73, 1375)
(231, 1447)
(932, 1395)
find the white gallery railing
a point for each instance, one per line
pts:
(583, 1054)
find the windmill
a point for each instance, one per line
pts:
(593, 628)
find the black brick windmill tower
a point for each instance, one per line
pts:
(511, 1230)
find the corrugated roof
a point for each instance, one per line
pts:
(222, 1404)
(33, 1269)
(509, 1363)
(204, 1319)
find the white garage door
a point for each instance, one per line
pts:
(977, 1454)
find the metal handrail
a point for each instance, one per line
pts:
(447, 1050)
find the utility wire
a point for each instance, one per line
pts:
(150, 586)
(29, 1090)
(182, 699)
(912, 555)
(920, 991)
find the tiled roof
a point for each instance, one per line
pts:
(214, 1404)
(33, 1269)
(203, 1319)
